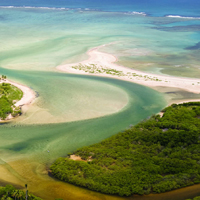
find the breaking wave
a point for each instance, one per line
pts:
(47, 8)
(182, 17)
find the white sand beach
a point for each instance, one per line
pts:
(105, 63)
(28, 94)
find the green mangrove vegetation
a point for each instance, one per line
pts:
(9, 192)
(157, 155)
(9, 94)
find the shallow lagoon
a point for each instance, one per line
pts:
(24, 148)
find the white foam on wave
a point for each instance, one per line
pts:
(136, 13)
(47, 8)
(182, 17)
(33, 7)
(139, 13)
(7, 6)
(63, 8)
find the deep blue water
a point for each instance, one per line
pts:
(151, 7)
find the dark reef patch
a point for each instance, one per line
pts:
(195, 47)
(189, 28)
(2, 18)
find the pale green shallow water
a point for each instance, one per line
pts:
(24, 147)
(141, 104)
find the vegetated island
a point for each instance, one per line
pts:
(157, 155)
(9, 95)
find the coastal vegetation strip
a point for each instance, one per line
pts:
(9, 95)
(95, 69)
(9, 192)
(157, 155)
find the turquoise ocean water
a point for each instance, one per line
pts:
(75, 110)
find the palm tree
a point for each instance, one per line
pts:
(14, 194)
(4, 197)
(21, 193)
(26, 191)
(17, 194)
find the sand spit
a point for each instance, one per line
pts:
(27, 99)
(103, 64)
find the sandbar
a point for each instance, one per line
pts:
(106, 63)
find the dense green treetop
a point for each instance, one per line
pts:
(157, 155)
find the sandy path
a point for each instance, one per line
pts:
(105, 60)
